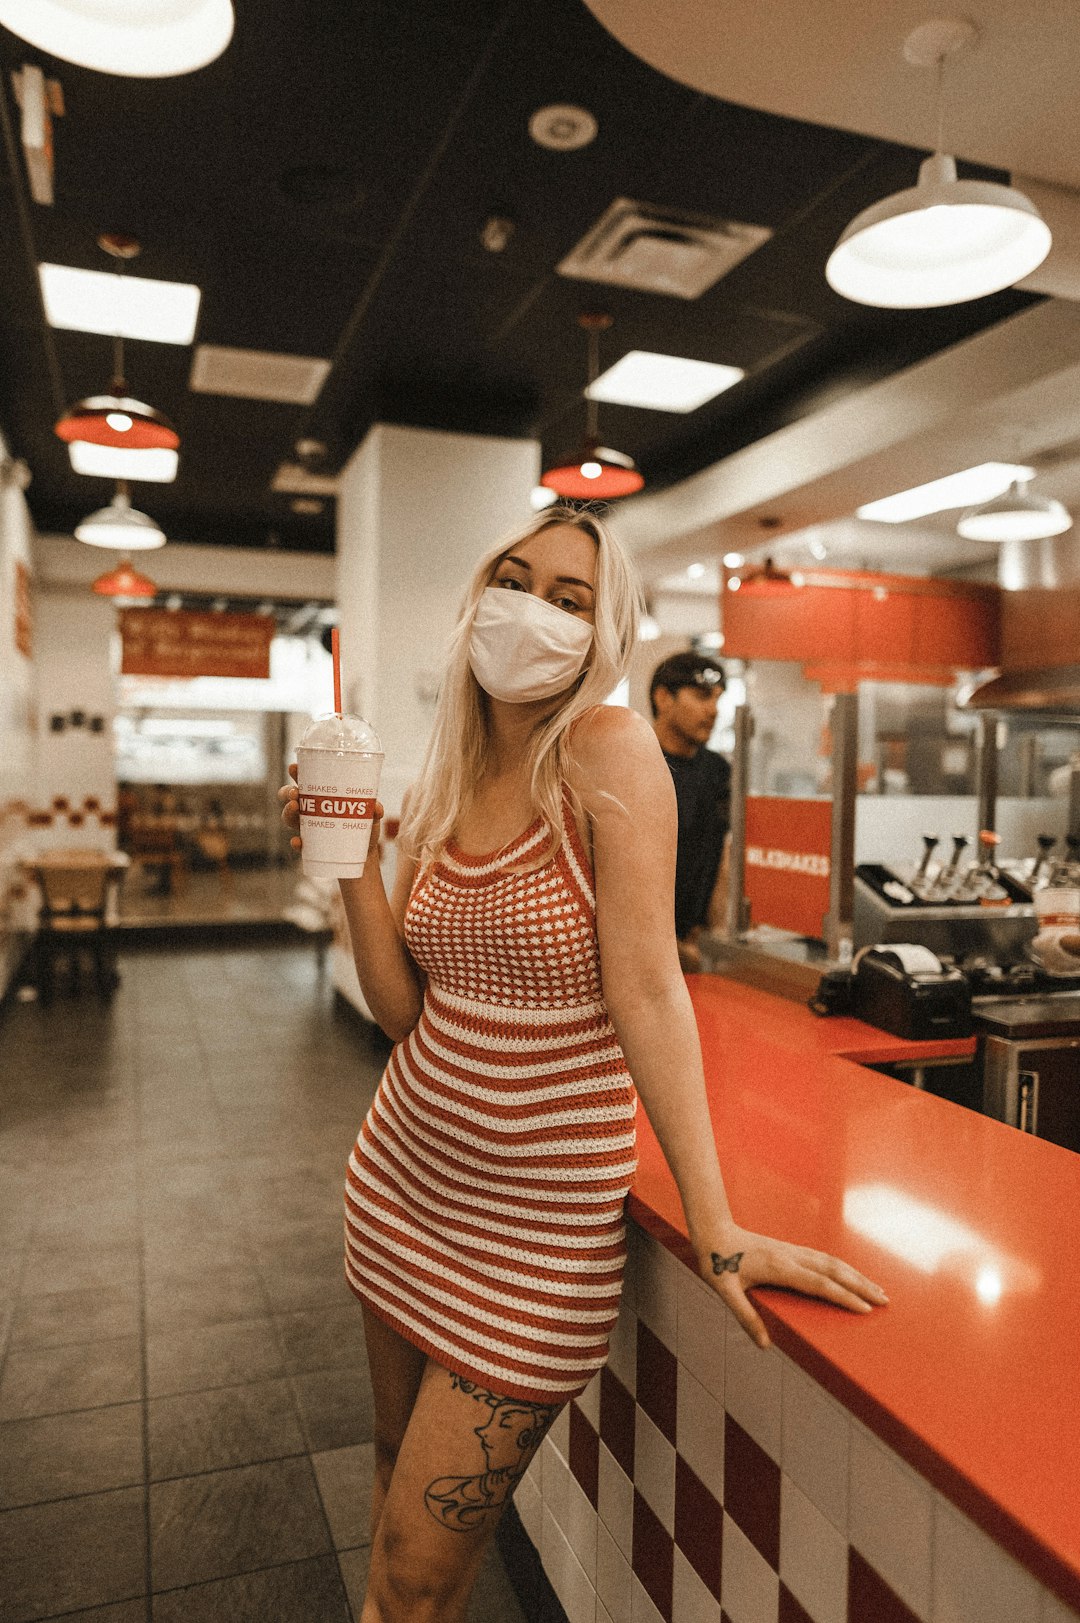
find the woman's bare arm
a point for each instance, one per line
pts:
(390, 981)
(628, 794)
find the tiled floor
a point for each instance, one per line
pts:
(185, 1411)
(251, 894)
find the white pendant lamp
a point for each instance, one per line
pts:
(138, 39)
(1016, 516)
(120, 525)
(944, 240)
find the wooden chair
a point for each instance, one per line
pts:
(75, 888)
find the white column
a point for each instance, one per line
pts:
(415, 510)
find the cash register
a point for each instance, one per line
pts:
(904, 988)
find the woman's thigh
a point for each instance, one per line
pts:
(464, 1452)
(397, 1368)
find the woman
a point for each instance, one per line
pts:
(526, 967)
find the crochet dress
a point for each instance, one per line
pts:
(484, 1195)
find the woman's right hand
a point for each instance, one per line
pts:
(289, 795)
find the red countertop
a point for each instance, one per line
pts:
(972, 1372)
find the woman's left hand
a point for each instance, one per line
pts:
(744, 1259)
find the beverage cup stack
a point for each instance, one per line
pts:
(338, 761)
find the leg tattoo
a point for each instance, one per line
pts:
(509, 1435)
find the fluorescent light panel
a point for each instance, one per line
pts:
(119, 306)
(965, 489)
(156, 467)
(662, 382)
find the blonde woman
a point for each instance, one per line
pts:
(526, 968)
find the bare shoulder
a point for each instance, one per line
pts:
(615, 753)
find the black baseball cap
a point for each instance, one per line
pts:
(687, 671)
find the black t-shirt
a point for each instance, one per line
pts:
(703, 791)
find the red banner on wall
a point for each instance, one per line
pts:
(787, 862)
(24, 611)
(158, 642)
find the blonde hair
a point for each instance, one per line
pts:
(457, 749)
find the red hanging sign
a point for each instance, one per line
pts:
(158, 642)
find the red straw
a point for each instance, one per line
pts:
(335, 649)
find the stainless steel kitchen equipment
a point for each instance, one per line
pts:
(1030, 1051)
(887, 909)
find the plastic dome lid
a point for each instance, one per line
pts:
(341, 732)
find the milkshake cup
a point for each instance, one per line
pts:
(338, 761)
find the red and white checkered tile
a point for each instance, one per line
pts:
(699, 1480)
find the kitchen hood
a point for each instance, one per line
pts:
(1051, 691)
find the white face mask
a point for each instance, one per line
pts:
(522, 648)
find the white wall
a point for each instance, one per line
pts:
(18, 736)
(415, 511)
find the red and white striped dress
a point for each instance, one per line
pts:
(484, 1195)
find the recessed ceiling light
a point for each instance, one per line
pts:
(733, 560)
(540, 497)
(965, 489)
(254, 374)
(119, 306)
(662, 382)
(818, 550)
(156, 467)
(695, 571)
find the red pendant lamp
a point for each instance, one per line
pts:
(115, 418)
(597, 473)
(124, 581)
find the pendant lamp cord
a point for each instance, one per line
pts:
(592, 406)
(940, 97)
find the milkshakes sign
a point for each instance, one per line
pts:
(787, 862)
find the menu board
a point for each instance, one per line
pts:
(162, 642)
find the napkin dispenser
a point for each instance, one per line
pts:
(905, 989)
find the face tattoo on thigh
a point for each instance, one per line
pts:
(509, 1436)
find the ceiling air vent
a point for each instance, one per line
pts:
(658, 250)
(255, 374)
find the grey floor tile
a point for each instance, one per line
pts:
(355, 1565)
(212, 1296)
(67, 1318)
(61, 1455)
(127, 1611)
(336, 1407)
(326, 1338)
(54, 1380)
(345, 1477)
(231, 1425)
(81, 1265)
(75, 1553)
(188, 1360)
(290, 1288)
(228, 1522)
(302, 1592)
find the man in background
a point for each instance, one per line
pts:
(684, 693)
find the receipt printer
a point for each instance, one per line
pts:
(904, 989)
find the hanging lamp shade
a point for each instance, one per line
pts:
(1017, 516)
(121, 526)
(943, 241)
(116, 420)
(124, 581)
(137, 39)
(595, 473)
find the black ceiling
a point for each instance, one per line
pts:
(325, 183)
